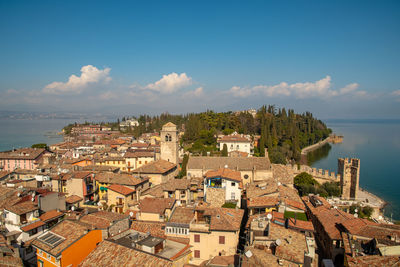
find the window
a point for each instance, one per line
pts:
(132, 197)
(197, 239)
(246, 176)
(197, 253)
(233, 184)
(222, 239)
(232, 195)
(40, 263)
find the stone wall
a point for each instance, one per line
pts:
(215, 196)
(322, 176)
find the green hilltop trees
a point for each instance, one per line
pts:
(283, 132)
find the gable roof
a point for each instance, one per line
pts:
(102, 219)
(109, 253)
(224, 219)
(22, 207)
(156, 167)
(73, 199)
(70, 231)
(156, 205)
(22, 153)
(50, 215)
(119, 178)
(123, 190)
(224, 173)
(240, 164)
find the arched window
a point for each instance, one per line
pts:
(168, 138)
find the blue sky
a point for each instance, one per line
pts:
(337, 59)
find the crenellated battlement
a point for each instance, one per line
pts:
(319, 174)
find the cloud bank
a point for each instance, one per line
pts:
(170, 83)
(321, 89)
(75, 85)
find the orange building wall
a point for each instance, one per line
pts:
(80, 249)
(46, 262)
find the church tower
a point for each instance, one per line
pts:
(349, 171)
(169, 143)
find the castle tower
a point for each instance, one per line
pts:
(349, 171)
(169, 143)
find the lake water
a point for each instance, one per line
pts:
(16, 133)
(377, 144)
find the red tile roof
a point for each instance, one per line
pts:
(31, 226)
(157, 167)
(224, 173)
(50, 215)
(73, 199)
(261, 202)
(123, 190)
(156, 205)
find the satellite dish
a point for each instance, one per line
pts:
(278, 242)
(380, 217)
(355, 215)
(19, 194)
(73, 208)
(131, 214)
(335, 207)
(269, 216)
(33, 199)
(279, 184)
(99, 204)
(226, 166)
(356, 210)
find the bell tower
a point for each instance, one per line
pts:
(169, 143)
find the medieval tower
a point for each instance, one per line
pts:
(349, 171)
(169, 143)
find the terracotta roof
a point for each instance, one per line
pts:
(71, 231)
(182, 215)
(23, 207)
(295, 204)
(295, 224)
(154, 228)
(366, 228)
(80, 174)
(10, 261)
(236, 138)
(176, 184)
(330, 219)
(102, 219)
(22, 153)
(155, 191)
(373, 260)
(261, 202)
(292, 250)
(224, 218)
(156, 205)
(108, 253)
(267, 187)
(73, 199)
(139, 154)
(240, 164)
(224, 173)
(123, 190)
(158, 167)
(50, 215)
(119, 178)
(31, 226)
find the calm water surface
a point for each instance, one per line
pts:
(377, 145)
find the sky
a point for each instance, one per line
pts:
(336, 59)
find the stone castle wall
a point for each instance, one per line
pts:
(322, 176)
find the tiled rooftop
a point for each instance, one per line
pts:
(156, 205)
(156, 167)
(109, 253)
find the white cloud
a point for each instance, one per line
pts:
(396, 93)
(321, 88)
(75, 85)
(198, 92)
(170, 83)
